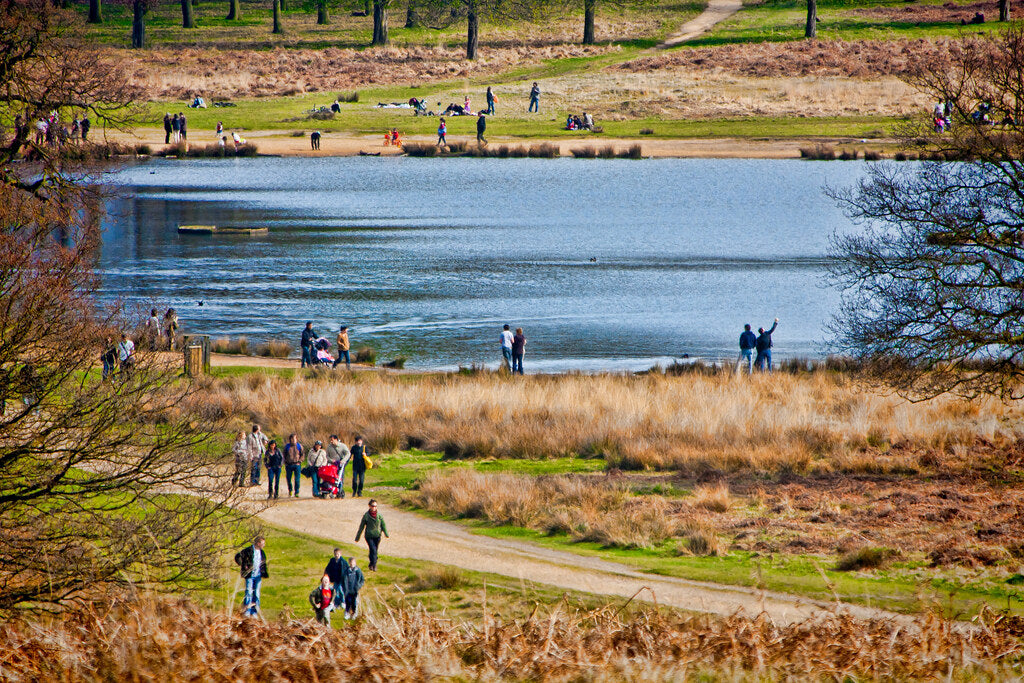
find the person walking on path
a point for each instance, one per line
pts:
(273, 459)
(308, 336)
(338, 453)
(240, 450)
(86, 125)
(534, 98)
(322, 599)
(176, 129)
(442, 131)
(748, 342)
(481, 126)
(293, 464)
(343, 348)
(764, 347)
(126, 354)
(257, 447)
(337, 568)
(252, 562)
(518, 350)
(374, 526)
(171, 328)
(358, 466)
(352, 582)
(316, 458)
(506, 347)
(491, 99)
(167, 128)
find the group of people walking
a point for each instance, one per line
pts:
(761, 343)
(340, 582)
(315, 348)
(325, 466)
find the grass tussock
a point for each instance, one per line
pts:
(214, 150)
(174, 639)
(440, 578)
(864, 558)
(820, 152)
(239, 346)
(587, 152)
(366, 355)
(818, 422)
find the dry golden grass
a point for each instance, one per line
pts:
(176, 640)
(811, 423)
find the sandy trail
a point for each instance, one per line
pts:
(420, 538)
(716, 11)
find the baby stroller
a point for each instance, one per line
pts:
(328, 475)
(321, 356)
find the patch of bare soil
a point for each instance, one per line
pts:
(950, 12)
(177, 74)
(853, 59)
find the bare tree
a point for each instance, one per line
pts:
(100, 482)
(380, 22)
(322, 15)
(234, 10)
(811, 28)
(934, 285)
(276, 12)
(95, 12)
(440, 14)
(1004, 10)
(187, 20)
(139, 9)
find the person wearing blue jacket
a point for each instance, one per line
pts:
(764, 347)
(748, 342)
(352, 582)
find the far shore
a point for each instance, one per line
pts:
(275, 143)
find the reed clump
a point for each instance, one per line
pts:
(239, 346)
(168, 639)
(800, 423)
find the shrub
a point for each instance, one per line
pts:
(419, 149)
(712, 498)
(321, 115)
(457, 147)
(366, 355)
(900, 156)
(849, 155)
(440, 578)
(584, 152)
(699, 540)
(646, 131)
(273, 349)
(351, 96)
(545, 150)
(237, 346)
(607, 152)
(247, 149)
(819, 152)
(870, 155)
(864, 558)
(143, 150)
(397, 364)
(632, 152)
(518, 152)
(297, 134)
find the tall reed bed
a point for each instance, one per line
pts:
(172, 640)
(816, 422)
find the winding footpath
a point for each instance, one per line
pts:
(420, 538)
(716, 11)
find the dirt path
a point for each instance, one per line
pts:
(716, 11)
(421, 538)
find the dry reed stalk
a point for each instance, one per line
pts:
(817, 423)
(167, 639)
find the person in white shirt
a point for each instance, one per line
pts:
(338, 453)
(506, 347)
(257, 442)
(126, 353)
(252, 562)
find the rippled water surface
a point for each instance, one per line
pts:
(426, 258)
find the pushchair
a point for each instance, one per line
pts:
(328, 475)
(321, 356)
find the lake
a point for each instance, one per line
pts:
(606, 264)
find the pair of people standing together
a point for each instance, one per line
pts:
(760, 342)
(513, 348)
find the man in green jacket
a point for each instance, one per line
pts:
(373, 524)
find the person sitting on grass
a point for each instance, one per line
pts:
(352, 581)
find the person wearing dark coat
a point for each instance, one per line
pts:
(481, 126)
(167, 129)
(352, 582)
(252, 563)
(273, 459)
(748, 342)
(308, 337)
(764, 347)
(336, 571)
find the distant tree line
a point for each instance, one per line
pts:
(432, 14)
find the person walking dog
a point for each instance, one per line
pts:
(252, 562)
(373, 524)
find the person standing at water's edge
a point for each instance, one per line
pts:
(506, 347)
(481, 126)
(314, 139)
(442, 131)
(343, 348)
(748, 342)
(308, 335)
(358, 466)
(167, 128)
(373, 524)
(764, 347)
(518, 350)
(252, 562)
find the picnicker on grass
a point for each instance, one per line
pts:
(373, 524)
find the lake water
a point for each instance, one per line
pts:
(427, 258)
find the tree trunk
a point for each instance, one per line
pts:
(812, 19)
(1004, 10)
(95, 13)
(322, 17)
(138, 24)
(187, 21)
(234, 10)
(380, 23)
(588, 21)
(277, 17)
(472, 30)
(412, 17)
(367, 8)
